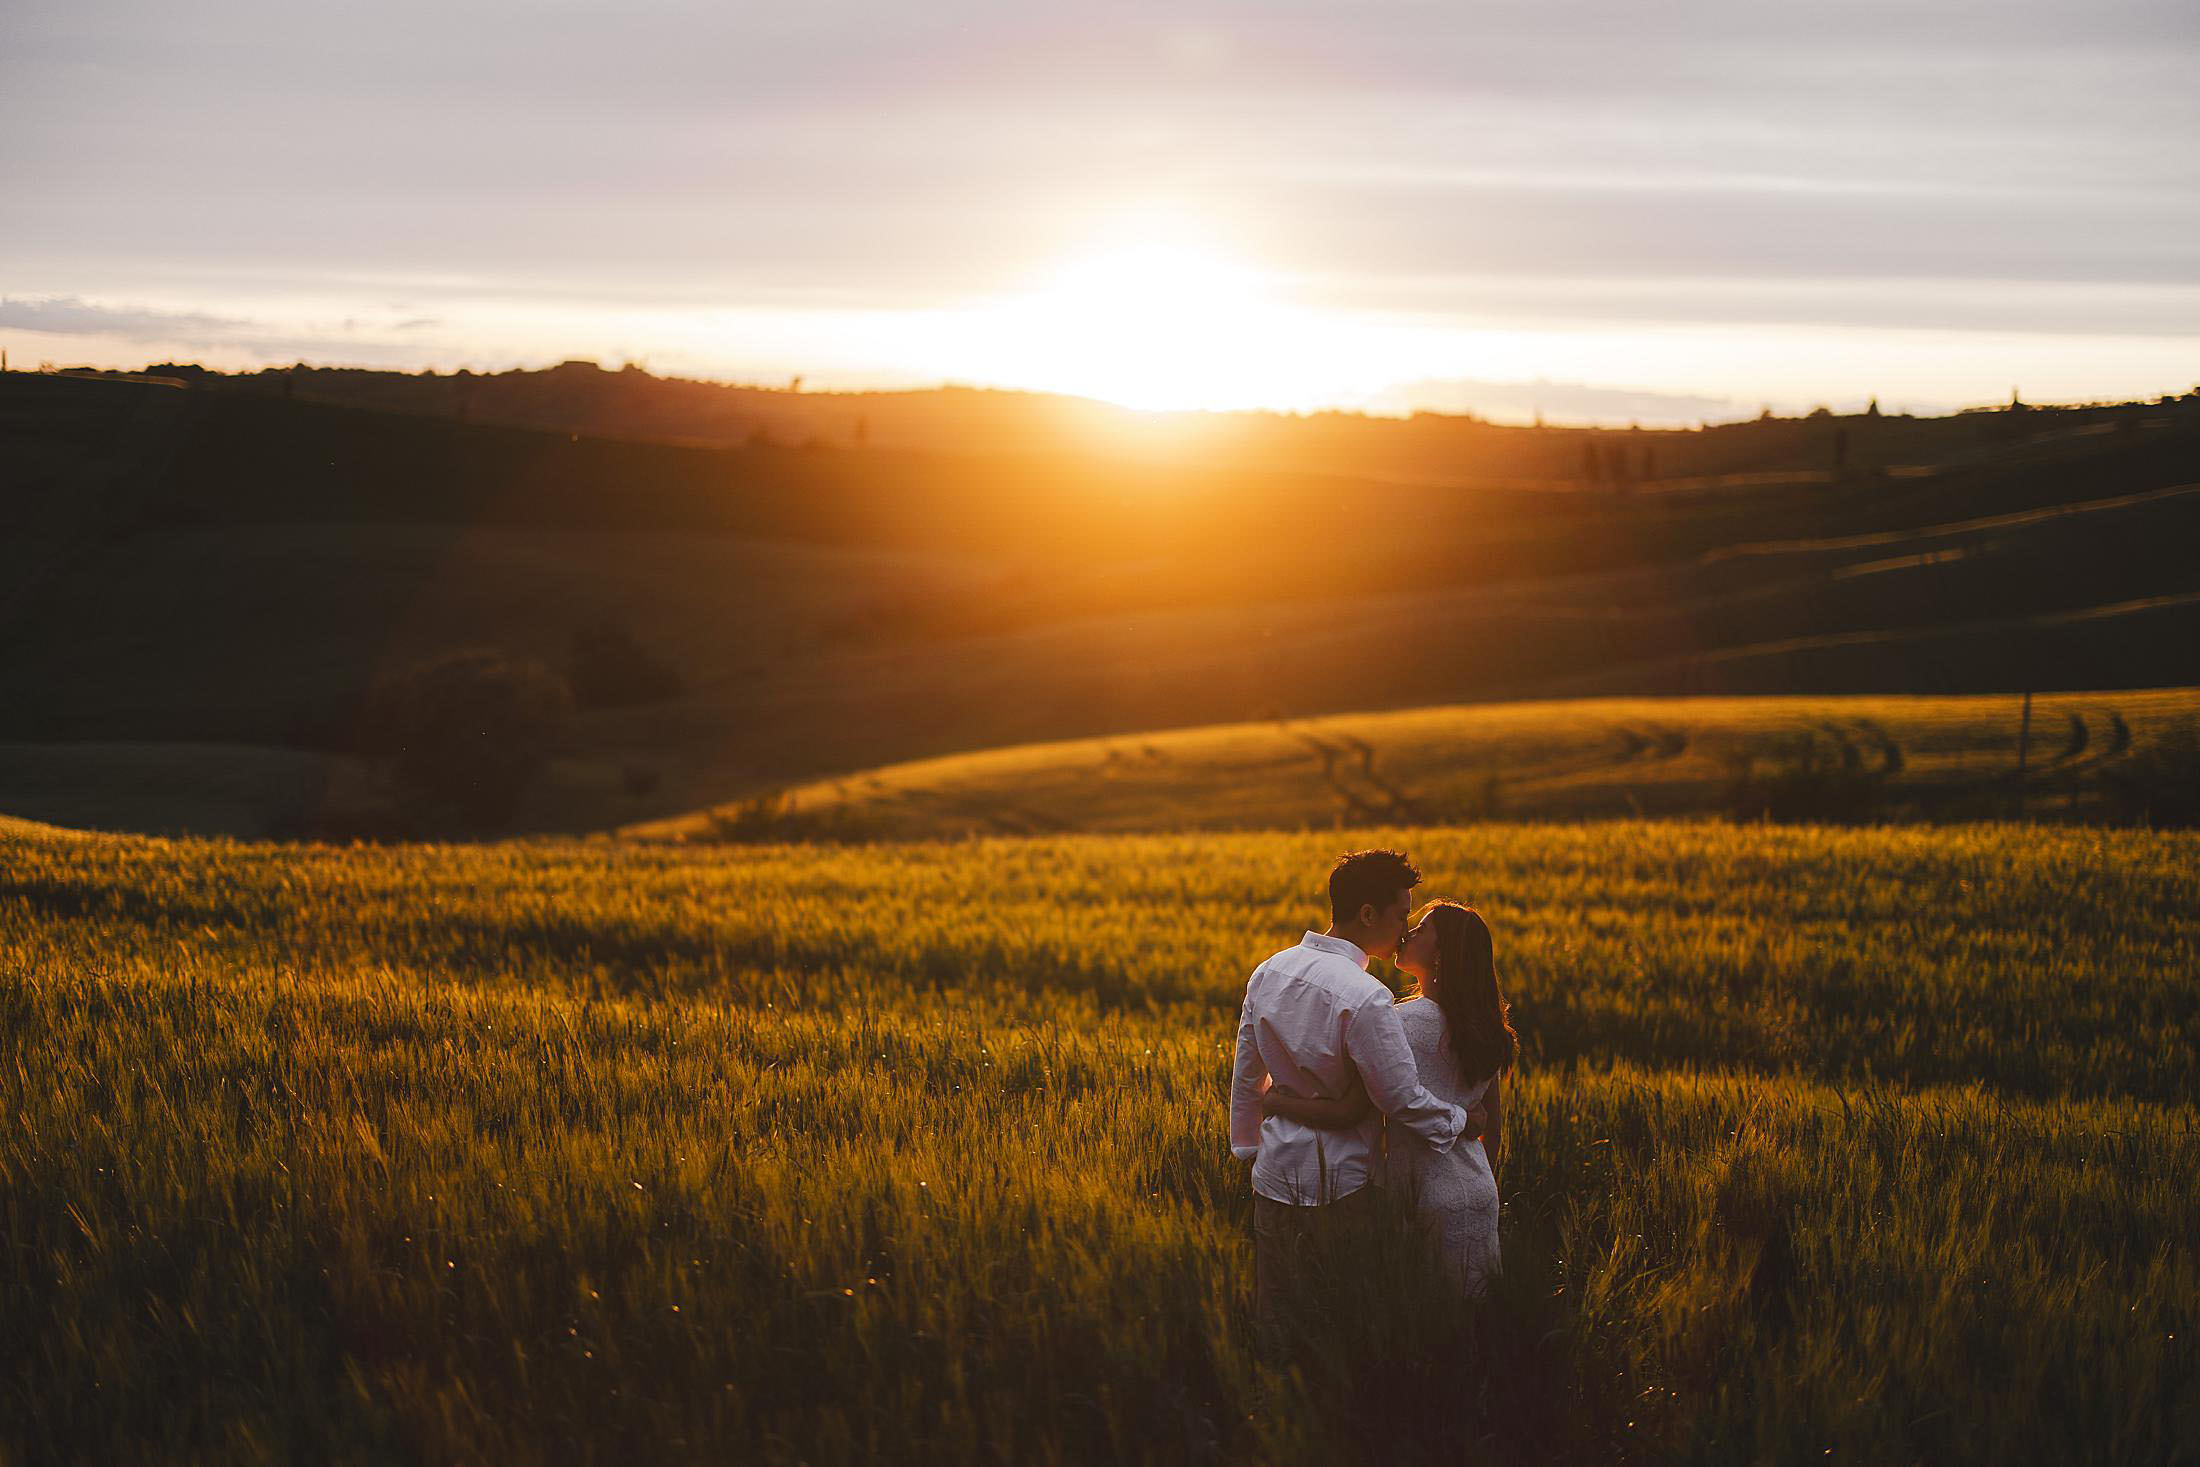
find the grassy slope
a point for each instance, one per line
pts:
(195, 789)
(568, 1151)
(1573, 759)
(834, 611)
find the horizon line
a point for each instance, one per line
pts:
(793, 386)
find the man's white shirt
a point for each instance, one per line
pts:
(1312, 1015)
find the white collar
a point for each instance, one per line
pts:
(1338, 945)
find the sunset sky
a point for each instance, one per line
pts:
(1603, 211)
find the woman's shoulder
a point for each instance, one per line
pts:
(1419, 1012)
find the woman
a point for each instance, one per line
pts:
(1463, 1043)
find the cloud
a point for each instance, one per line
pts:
(1986, 167)
(230, 339)
(70, 316)
(859, 144)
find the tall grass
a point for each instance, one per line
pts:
(1877, 1142)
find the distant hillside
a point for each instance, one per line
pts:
(1429, 448)
(1882, 758)
(210, 566)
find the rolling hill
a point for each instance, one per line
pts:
(1583, 759)
(208, 567)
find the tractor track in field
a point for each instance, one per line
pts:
(1646, 745)
(2094, 739)
(1404, 803)
(1852, 750)
(2088, 745)
(1387, 802)
(2074, 745)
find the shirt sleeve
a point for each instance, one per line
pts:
(1377, 1043)
(1248, 1077)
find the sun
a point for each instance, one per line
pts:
(1148, 324)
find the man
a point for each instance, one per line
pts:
(1312, 1016)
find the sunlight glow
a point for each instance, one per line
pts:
(1149, 325)
(1166, 316)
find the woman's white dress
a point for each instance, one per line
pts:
(1454, 1191)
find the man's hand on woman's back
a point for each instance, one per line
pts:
(1321, 1112)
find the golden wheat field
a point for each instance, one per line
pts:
(1905, 758)
(1875, 1143)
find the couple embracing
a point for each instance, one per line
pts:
(1336, 1087)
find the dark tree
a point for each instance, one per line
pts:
(467, 732)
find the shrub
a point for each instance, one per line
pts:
(775, 817)
(762, 818)
(467, 732)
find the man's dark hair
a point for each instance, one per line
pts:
(1368, 879)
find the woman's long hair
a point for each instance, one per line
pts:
(1477, 1020)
